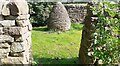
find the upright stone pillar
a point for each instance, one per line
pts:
(15, 33)
(85, 53)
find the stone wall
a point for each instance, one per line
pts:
(15, 32)
(77, 12)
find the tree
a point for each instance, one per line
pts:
(40, 12)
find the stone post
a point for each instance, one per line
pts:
(85, 53)
(15, 33)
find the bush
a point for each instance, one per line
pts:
(75, 26)
(105, 42)
(40, 12)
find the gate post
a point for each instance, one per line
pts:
(15, 33)
(85, 53)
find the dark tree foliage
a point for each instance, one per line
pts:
(39, 12)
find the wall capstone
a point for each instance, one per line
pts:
(15, 33)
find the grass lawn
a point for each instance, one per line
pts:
(75, 4)
(49, 47)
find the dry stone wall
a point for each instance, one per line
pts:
(76, 12)
(15, 32)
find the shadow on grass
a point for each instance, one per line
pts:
(40, 29)
(55, 61)
(44, 28)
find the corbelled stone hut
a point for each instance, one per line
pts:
(59, 18)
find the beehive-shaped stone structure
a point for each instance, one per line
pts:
(15, 33)
(59, 18)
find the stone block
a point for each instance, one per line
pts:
(22, 37)
(1, 30)
(6, 38)
(18, 47)
(1, 18)
(3, 56)
(7, 23)
(20, 17)
(22, 23)
(16, 61)
(1, 5)
(21, 54)
(29, 41)
(23, 17)
(17, 9)
(4, 51)
(10, 17)
(29, 27)
(15, 30)
(5, 9)
(4, 45)
(27, 56)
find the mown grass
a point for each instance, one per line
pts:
(49, 47)
(75, 4)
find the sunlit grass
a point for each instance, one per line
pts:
(51, 47)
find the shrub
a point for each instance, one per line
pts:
(40, 12)
(105, 42)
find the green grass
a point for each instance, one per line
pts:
(51, 47)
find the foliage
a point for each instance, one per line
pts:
(55, 48)
(40, 12)
(105, 42)
(75, 26)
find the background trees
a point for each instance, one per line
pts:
(39, 12)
